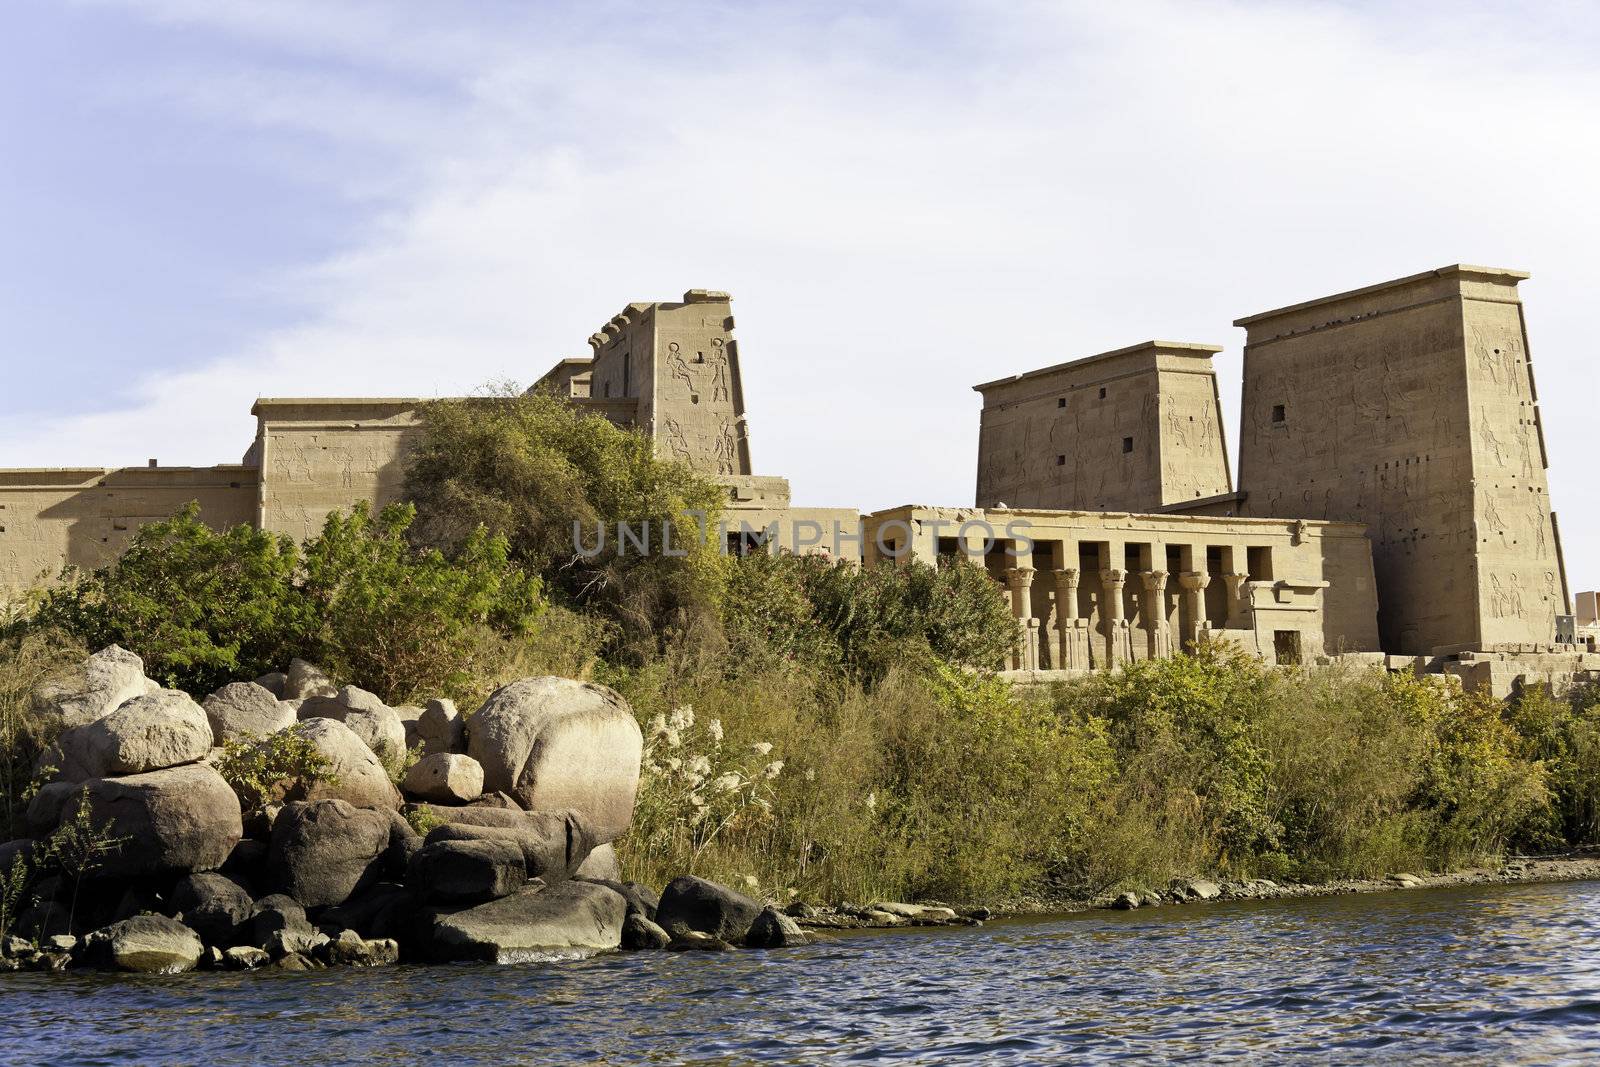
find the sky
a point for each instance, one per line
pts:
(206, 201)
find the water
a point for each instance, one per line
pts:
(1486, 975)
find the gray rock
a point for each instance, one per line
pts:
(302, 941)
(304, 680)
(690, 903)
(213, 905)
(62, 943)
(554, 743)
(467, 871)
(152, 944)
(245, 958)
(1126, 901)
(554, 844)
(381, 730)
(295, 961)
(641, 901)
(440, 728)
(529, 924)
(773, 929)
(359, 778)
(172, 821)
(404, 842)
(17, 948)
(242, 710)
(274, 682)
(695, 941)
(1200, 889)
(49, 804)
(274, 913)
(349, 949)
(211, 958)
(148, 733)
(409, 714)
(97, 687)
(639, 933)
(444, 778)
(601, 865)
(325, 851)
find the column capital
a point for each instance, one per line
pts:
(1194, 579)
(1112, 576)
(1066, 575)
(1019, 577)
(1154, 581)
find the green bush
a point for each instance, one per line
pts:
(549, 478)
(835, 614)
(261, 769)
(204, 608)
(408, 622)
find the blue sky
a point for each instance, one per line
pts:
(204, 201)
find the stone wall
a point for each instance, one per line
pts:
(1409, 406)
(1130, 430)
(320, 455)
(86, 516)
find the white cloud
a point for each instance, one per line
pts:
(901, 205)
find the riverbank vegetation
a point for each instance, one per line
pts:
(813, 728)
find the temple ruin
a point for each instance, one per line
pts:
(1391, 505)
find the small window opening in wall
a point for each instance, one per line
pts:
(1061, 461)
(1061, 402)
(694, 398)
(1102, 392)
(1278, 414)
(1127, 444)
(1286, 647)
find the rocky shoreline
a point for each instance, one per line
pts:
(292, 823)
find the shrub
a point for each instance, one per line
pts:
(402, 621)
(546, 476)
(202, 607)
(29, 657)
(867, 619)
(260, 770)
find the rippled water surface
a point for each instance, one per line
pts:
(1491, 975)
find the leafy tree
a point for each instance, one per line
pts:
(401, 620)
(203, 607)
(553, 480)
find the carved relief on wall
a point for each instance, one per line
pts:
(727, 449)
(719, 371)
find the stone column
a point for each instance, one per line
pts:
(1019, 580)
(1158, 639)
(1119, 649)
(1072, 632)
(1237, 614)
(1194, 605)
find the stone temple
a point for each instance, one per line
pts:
(1392, 502)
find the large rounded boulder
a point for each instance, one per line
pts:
(325, 851)
(171, 821)
(100, 685)
(690, 903)
(242, 710)
(148, 733)
(530, 924)
(358, 777)
(556, 743)
(146, 943)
